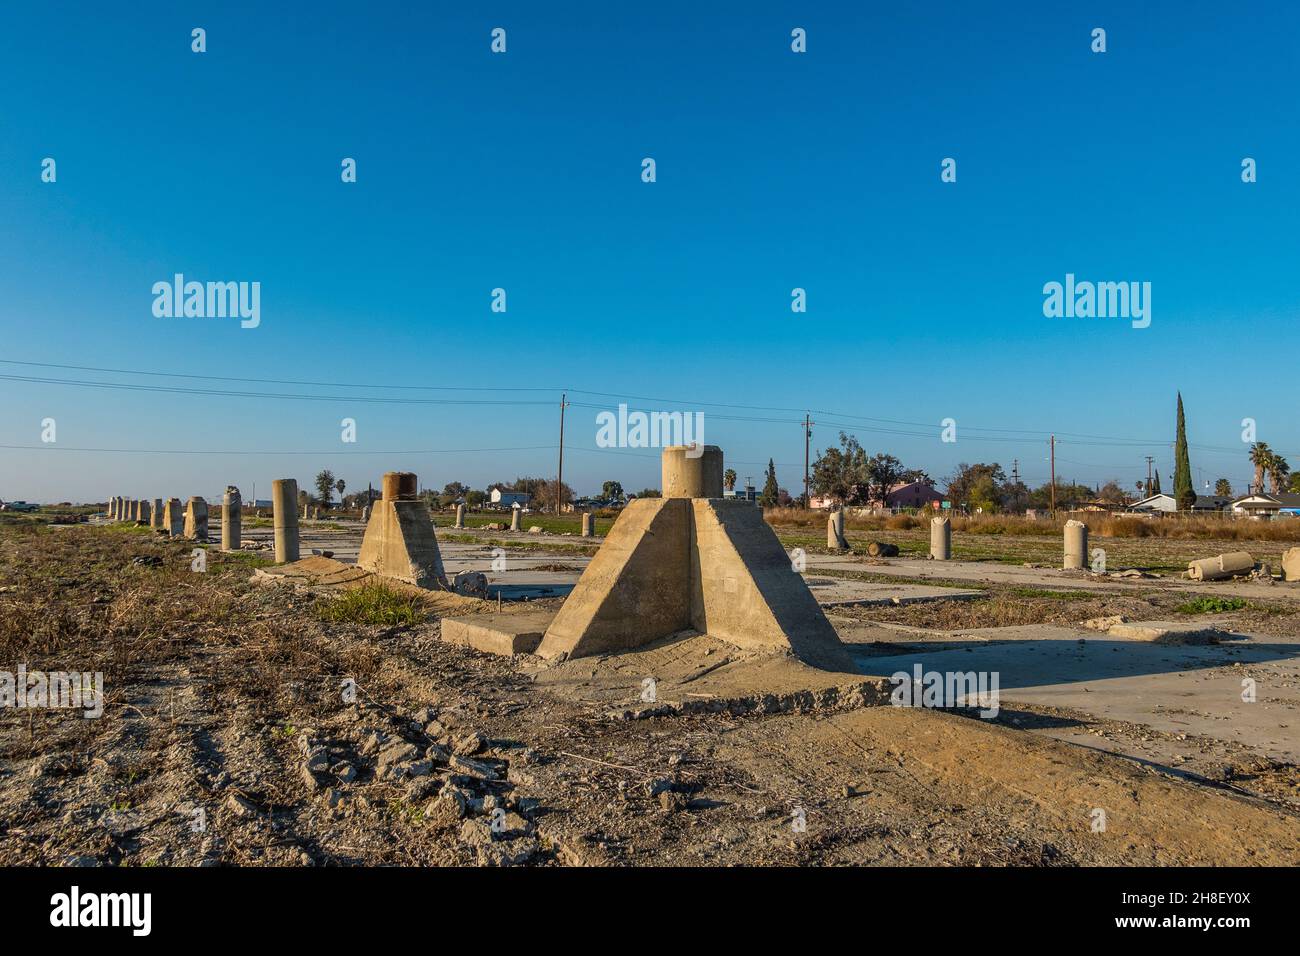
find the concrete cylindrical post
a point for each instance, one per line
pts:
(460, 516)
(940, 539)
(112, 508)
(156, 514)
(1076, 544)
(400, 486)
(588, 524)
(692, 472)
(232, 519)
(514, 517)
(835, 539)
(284, 505)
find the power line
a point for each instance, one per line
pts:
(836, 419)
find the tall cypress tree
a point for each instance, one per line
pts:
(770, 493)
(1155, 484)
(1184, 492)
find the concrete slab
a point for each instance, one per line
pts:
(1176, 688)
(846, 592)
(985, 572)
(505, 634)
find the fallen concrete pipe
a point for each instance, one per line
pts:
(1223, 566)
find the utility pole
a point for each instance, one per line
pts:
(1015, 471)
(1148, 484)
(559, 481)
(1053, 476)
(807, 437)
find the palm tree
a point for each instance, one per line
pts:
(729, 479)
(1278, 472)
(1260, 456)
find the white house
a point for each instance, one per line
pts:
(509, 499)
(1267, 506)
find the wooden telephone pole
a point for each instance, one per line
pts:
(559, 481)
(807, 437)
(1053, 476)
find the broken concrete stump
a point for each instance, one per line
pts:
(1221, 567)
(1291, 564)
(514, 518)
(941, 539)
(156, 514)
(232, 519)
(196, 519)
(1076, 545)
(678, 564)
(588, 525)
(460, 516)
(284, 508)
(173, 517)
(835, 539)
(400, 542)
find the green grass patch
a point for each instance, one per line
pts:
(374, 604)
(1045, 593)
(1211, 605)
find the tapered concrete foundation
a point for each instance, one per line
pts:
(232, 519)
(1076, 545)
(112, 508)
(460, 516)
(514, 518)
(835, 539)
(196, 519)
(284, 504)
(174, 517)
(144, 511)
(588, 525)
(400, 542)
(156, 514)
(940, 539)
(678, 564)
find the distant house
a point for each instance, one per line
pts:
(1283, 504)
(911, 494)
(509, 499)
(905, 494)
(1205, 504)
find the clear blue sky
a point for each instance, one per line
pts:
(775, 170)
